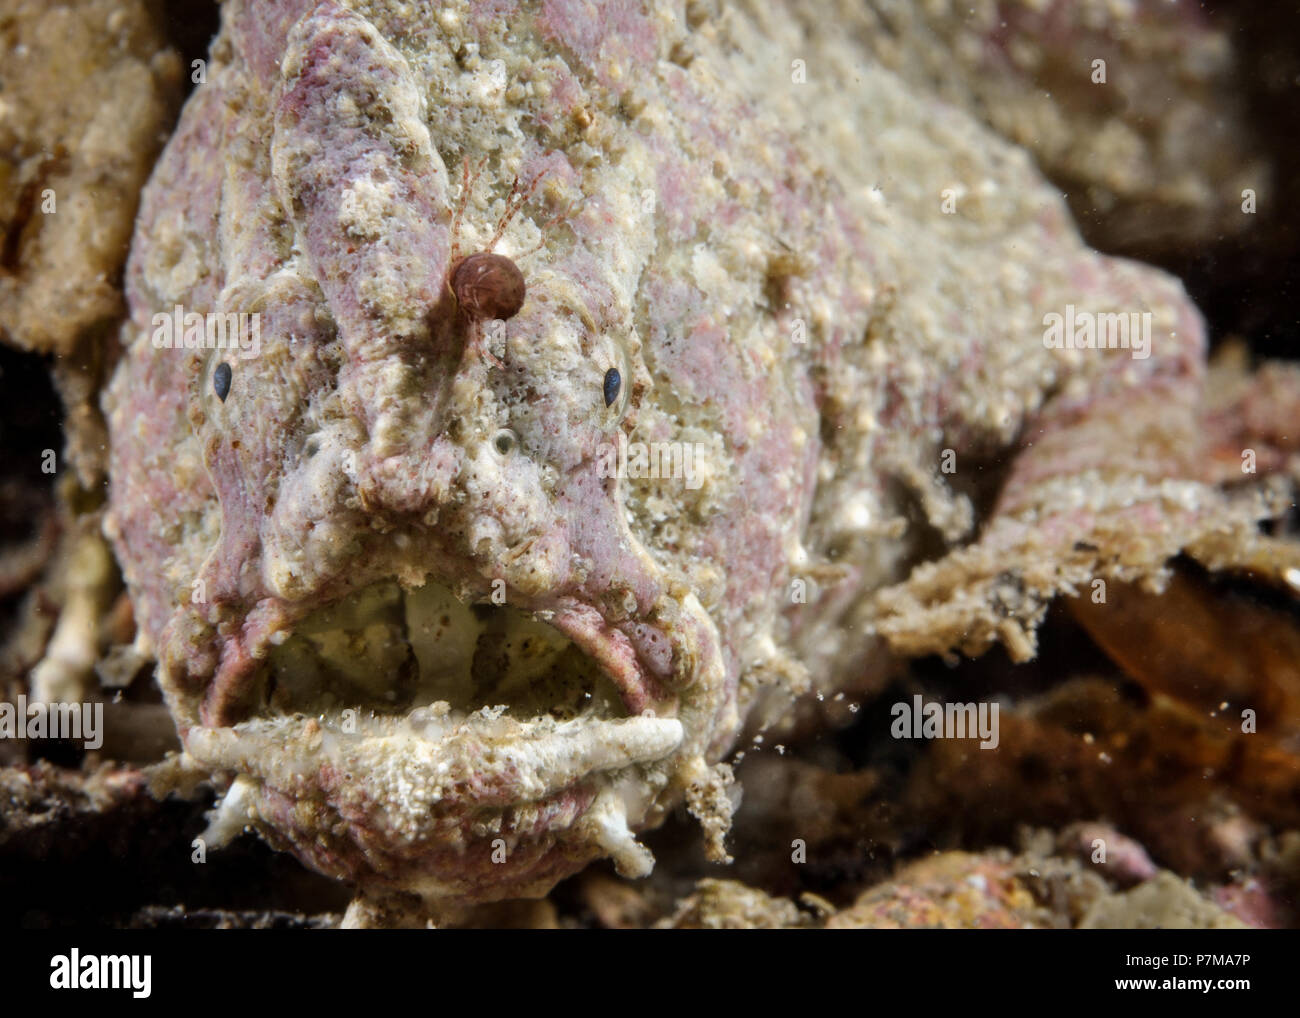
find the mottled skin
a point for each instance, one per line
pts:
(1153, 145)
(767, 265)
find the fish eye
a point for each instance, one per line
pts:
(221, 381)
(613, 386)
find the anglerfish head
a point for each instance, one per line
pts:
(380, 544)
(430, 654)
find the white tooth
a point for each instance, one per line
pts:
(606, 821)
(228, 820)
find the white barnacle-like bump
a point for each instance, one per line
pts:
(366, 206)
(232, 814)
(855, 513)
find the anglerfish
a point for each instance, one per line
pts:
(453, 593)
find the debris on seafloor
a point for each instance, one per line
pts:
(90, 91)
(961, 890)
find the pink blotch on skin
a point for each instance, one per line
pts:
(485, 13)
(615, 30)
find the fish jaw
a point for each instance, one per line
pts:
(470, 810)
(499, 751)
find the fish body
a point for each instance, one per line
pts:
(781, 401)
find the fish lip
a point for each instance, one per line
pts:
(273, 752)
(616, 655)
(391, 807)
(448, 748)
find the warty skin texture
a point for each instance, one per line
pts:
(767, 265)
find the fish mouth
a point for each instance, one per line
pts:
(408, 737)
(386, 649)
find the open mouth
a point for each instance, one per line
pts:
(386, 650)
(407, 712)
